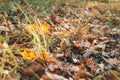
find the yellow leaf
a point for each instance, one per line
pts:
(28, 55)
(45, 28)
(33, 27)
(37, 28)
(80, 15)
(66, 20)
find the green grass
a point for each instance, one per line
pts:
(5, 6)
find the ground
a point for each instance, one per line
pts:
(56, 40)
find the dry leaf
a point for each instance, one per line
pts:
(92, 44)
(55, 77)
(111, 76)
(15, 46)
(68, 54)
(44, 56)
(92, 50)
(78, 45)
(63, 45)
(66, 20)
(89, 62)
(80, 15)
(28, 55)
(83, 32)
(75, 20)
(33, 27)
(66, 34)
(92, 4)
(82, 74)
(45, 77)
(37, 28)
(56, 19)
(114, 61)
(45, 29)
(3, 28)
(1, 46)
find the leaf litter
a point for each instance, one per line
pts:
(85, 44)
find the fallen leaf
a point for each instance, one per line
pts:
(3, 28)
(83, 32)
(44, 56)
(114, 61)
(33, 27)
(80, 15)
(55, 77)
(111, 75)
(78, 45)
(66, 34)
(37, 28)
(28, 55)
(68, 54)
(89, 62)
(82, 74)
(56, 19)
(92, 4)
(1, 46)
(63, 45)
(45, 29)
(66, 20)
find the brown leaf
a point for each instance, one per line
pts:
(82, 74)
(92, 65)
(1, 46)
(89, 62)
(78, 45)
(66, 34)
(44, 56)
(114, 61)
(3, 28)
(45, 77)
(111, 76)
(68, 54)
(63, 46)
(55, 77)
(15, 46)
(56, 19)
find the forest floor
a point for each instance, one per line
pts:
(76, 41)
